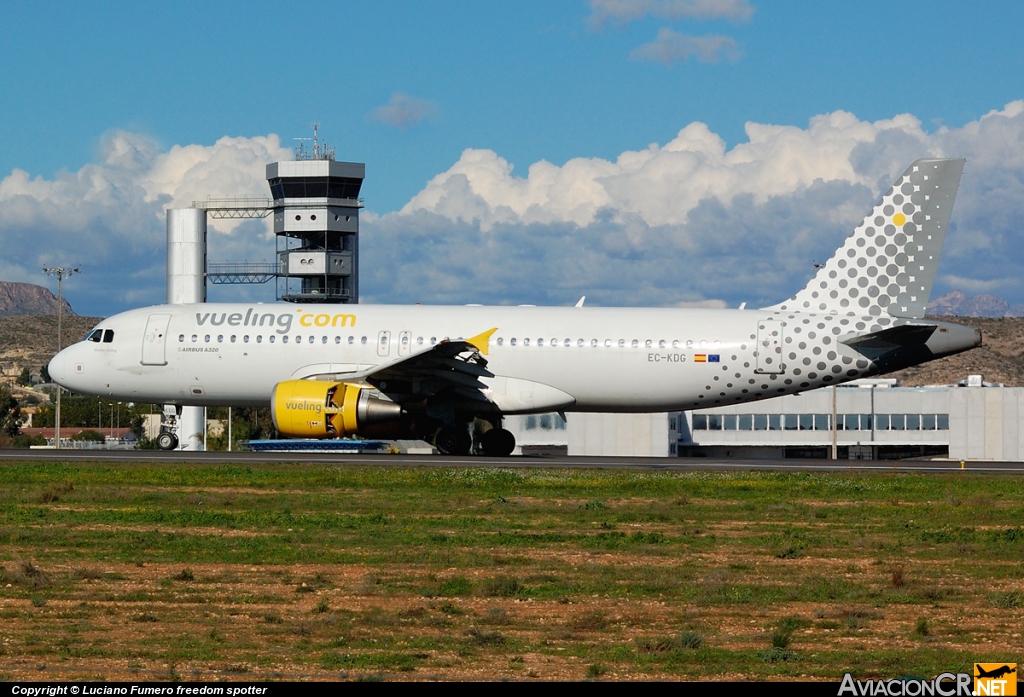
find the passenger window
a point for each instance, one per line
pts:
(181, 338)
(273, 338)
(649, 344)
(284, 339)
(323, 340)
(593, 343)
(433, 340)
(579, 342)
(195, 338)
(362, 340)
(108, 336)
(622, 343)
(233, 338)
(607, 343)
(675, 343)
(634, 343)
(661, 344)
(512, 342)
(245, 339)
(500, 341)
(259, 338)
(337, 339)
(419, 341)
(351, 340)
(220, 338)
(540, 342)
(526, 342)
(207, 338)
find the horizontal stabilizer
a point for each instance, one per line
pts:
(894, 337)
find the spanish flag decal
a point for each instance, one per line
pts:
(700, 358)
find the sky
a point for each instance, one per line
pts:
(639, 152)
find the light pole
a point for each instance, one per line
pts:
(61, 272)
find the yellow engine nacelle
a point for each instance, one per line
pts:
(318, 409)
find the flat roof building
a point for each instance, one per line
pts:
(873, 419)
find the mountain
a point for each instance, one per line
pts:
(957, 304)
(28, 299)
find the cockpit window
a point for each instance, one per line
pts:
(108, 336)
(96, 335)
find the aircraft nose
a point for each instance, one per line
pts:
(58, 370)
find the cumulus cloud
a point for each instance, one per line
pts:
(691, 220)
(402, 111)
(672, 47)
(625, 11)
(688, 222)
(109, 216)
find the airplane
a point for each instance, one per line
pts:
(427, 372)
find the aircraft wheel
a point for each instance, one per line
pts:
(498, 442)
(167, 441)
(453, 440)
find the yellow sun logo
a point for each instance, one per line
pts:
(899, 219)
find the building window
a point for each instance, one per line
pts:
(700, 422)
(731, 422)
(943, 421)
(807, 422)
(746, 422)
(760, 422)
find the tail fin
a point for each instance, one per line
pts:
(887, 265)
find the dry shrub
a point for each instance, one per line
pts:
(25, 573)
(898, 576)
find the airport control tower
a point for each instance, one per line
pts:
(316, 220)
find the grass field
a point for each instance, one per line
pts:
(296, 571)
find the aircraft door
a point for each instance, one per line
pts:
(404, 343)
(384, 343)
(769, 347)
(154, 343)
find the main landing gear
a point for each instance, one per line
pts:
(455, 440)
(498, 442)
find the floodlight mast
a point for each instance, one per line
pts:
(61, 272)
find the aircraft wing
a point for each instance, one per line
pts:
(451, 366)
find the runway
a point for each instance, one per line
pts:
(696, 464)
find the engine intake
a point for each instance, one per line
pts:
(317, 409)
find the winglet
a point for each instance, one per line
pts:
(482, 340)
(580, 302)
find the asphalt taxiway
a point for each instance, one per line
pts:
(696, 464)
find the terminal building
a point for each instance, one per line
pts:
(873, 419)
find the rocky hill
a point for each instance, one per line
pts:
(957, 304)
(28, 299)
(31, 340)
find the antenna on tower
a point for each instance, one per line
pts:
(320, 151)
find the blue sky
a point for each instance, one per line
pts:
(528, 81)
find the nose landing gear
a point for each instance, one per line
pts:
(167, 439)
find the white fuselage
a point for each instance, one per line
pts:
(543, 358)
